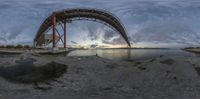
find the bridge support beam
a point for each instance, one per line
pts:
(54, 31)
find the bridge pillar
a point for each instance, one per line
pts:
(34, 44)
(65, 34)
(54, 30)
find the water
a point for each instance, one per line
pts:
(131, 54)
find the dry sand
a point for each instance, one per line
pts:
(93, 77)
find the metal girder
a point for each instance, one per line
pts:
(70, 14)
(60, 37)
(54, 29)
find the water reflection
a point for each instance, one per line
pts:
(130, 54)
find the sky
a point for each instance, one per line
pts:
(149, 23)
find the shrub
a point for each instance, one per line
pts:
(10, 46)
(19, 46)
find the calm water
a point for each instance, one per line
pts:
(131, 54)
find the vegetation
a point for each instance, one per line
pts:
(27, 46)
(10, 46)
(19, 46)
(2, 46)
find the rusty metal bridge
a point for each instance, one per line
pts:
(61, 18)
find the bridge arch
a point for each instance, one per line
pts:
(68, 15)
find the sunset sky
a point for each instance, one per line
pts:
(149, 23)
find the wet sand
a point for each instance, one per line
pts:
(26, 77)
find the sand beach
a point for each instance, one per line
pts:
(34, 76)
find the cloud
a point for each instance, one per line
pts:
(73, 42)
(104, 34)
(162, 22)
(109, 33)
(156, 22)
(93, 32)
(115, 41)
(146, 21)
(93, 46)
(10, 35)
(166, 32)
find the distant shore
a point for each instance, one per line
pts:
(15, 51)
(194, 50)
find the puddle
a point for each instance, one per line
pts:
(198, 70)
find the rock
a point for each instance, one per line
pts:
(25, 73)
(168, 61)
(142, 68)
(198, 70)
